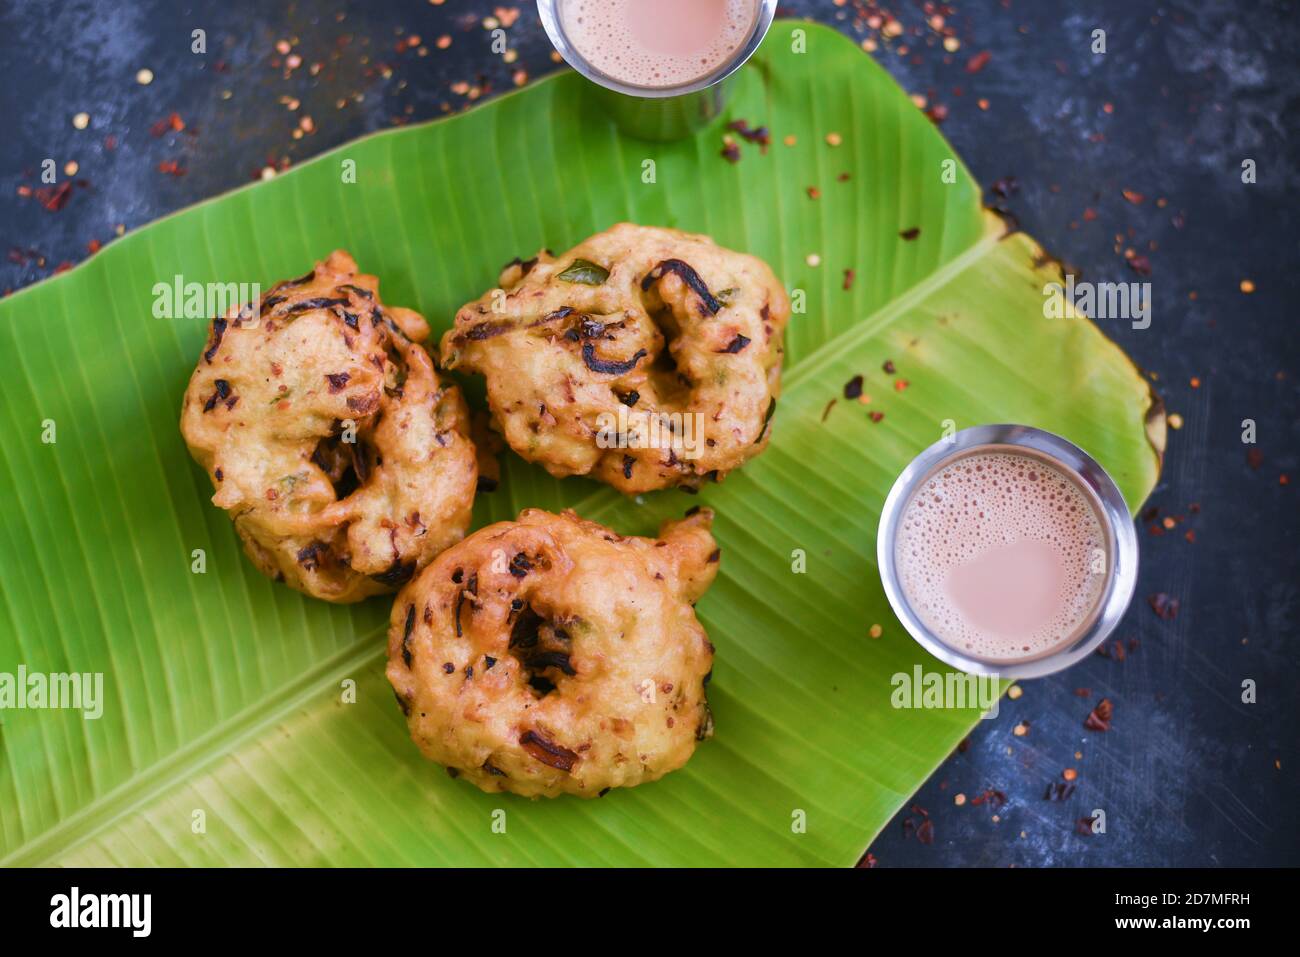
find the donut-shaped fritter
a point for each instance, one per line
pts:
(647, 358)
(551, 656)
(342, 457)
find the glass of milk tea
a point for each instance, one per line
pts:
(660, 64)
(1007, 550)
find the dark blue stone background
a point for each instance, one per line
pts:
(1188, 774)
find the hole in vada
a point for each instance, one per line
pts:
(541, 648)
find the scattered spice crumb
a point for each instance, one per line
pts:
(959, 799)
(1014, 692)
(144, 77)
(1247, 286)
(759, 135)
(80, 121)
(876, 631)
(813, 260)
(1175, 421)
(834, 139)
(849, 276)
(853, 388)
(1099, 717)
(910, 234)
(1166, 608)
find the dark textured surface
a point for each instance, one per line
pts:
(1188, 774)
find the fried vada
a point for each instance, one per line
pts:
(342, 456)
(550, 656)
(646, 358)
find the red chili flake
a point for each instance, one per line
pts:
(1140, 265)
(171, 122)
(868, 861)
(844, 177)
(730, 150)
(889, 366)
(964, 746)
(62, 267)
(1133, 197)
(1099, 717)
(54, 198)
(1119, 654)
(827, 411)
(875, 416)
(1083, 826)
(853, 388)
(849, 276)
(93, 246)
(1083, 692)
(1089, 214)
(1254, 458)
(937, 113)
(761, 136)
(978, 61)
(814, 192)
(900, 384)
(110, 142)
(910, 234)
(1190, 536)
(1166, 608)
(925, 833)
(171, 168)
(990, 796)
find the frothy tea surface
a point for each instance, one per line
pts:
(1001, 555)
(657, 43)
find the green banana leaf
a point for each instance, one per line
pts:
(228, 733)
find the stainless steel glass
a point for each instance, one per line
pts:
(659, 113)
(1117, 523)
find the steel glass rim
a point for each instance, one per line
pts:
(549, 12)
(1113, 512)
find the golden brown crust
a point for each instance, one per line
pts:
(551, 656)
(342, 457)
(647, 358)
